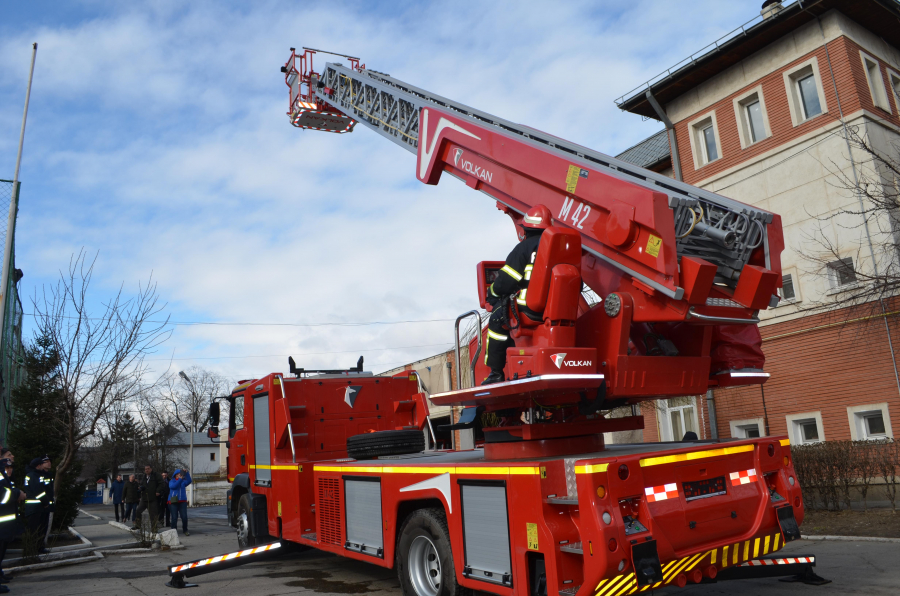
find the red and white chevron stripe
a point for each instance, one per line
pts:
(785, 561)
(220, 558)
(661, 493)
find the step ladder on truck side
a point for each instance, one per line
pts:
(545, 507)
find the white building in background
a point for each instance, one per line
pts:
(209, 457)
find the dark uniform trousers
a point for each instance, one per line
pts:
(38, 503)
(9, 505)
(512, 280)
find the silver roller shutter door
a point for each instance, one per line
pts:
(362, 500)
(486, 533)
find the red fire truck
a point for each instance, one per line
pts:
(336, 459)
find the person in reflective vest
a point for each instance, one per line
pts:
(512, 280)
(38, 499)
(10, 497)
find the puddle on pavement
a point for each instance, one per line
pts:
(318, 580)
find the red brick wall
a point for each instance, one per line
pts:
(852, 87)
(821, 363)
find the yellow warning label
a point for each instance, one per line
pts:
(412, 377)
(653, 244)
(531, 530)
(279, 508)
(543, 472)
(572, 179)
(521, 352)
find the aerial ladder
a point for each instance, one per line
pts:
(681, 272)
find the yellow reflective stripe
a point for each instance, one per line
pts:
(766, 545)
(591, 468)
(41, 495)
(522, 294)
(746, 550)
(497, 336)
(679, 457)
(511, 272)
(493, 293)
(528, 269)
(785, 442)
(486, 470)
(775, 543)
(7, 518)
(32, 501)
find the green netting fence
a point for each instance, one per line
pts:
(11, 362)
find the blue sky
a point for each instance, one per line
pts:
(157, 137)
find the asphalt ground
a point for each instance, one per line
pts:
(856, 567)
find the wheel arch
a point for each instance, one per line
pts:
(239, 487)
(407, 508)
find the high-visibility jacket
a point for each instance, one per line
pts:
(9, 507)
(516, 273)
(38, 491)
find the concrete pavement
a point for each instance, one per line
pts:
(855, 567)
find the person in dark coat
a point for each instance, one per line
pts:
(117, 490)
(163, 499)
(132, 494)
(151, 488)
(10, 528)
(38, 498)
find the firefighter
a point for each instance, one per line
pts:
(38, 498)
(10, 497)
(513, 280)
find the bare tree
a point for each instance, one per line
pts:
(101, 345)
(868, 227)
(187, 395)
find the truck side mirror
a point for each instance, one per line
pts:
(212, 432)
(214, 415)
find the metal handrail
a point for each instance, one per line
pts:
(290, 430)
(477, 352)
(701, 53)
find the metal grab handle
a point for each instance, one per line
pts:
(290, 431)
(477, 352)
(712, 319)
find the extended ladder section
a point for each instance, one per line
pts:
(707, 225)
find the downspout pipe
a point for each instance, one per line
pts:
(711, 408)
(673, 144)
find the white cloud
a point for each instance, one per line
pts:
(157, 136)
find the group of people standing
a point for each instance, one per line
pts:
(38, 497)
(164, 498)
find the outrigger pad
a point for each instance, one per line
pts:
(788, 524)
(647, 569)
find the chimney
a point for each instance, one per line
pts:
(771, 8)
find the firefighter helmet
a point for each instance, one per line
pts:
(538, 217)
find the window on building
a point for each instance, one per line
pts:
(681, 421)
(754, 117)
(807, 430)
(787, 287)
(709, 143)
(876, 82)
(212, 456)
(894, 80)
(705, 140)
(749, 431)
(809, 97)
(841, 272)
(870, 421)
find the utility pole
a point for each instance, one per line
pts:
(193, 403)
(14, 201)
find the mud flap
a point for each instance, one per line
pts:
(788, 524)
(647, 569)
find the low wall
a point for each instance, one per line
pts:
(210, 492)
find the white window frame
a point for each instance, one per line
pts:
(893, 75)
(698, 144)
(737, 427)
(876, 87)
(793, 427)
(856, 416)
(740, 113)
(795, 280)
(665, 427)
(791, 78)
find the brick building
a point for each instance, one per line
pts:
(761, 116)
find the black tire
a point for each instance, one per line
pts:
(244, 535)
(427, 526)
(385, 442)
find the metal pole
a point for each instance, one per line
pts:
(191, 456)
(762, 392)
(14, 202)
(713, 421)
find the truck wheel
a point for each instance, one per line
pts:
(245, 538)
(385, 442)
(424, 560)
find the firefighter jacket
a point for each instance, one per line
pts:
(9, 507)
(38, 491)
(516, 273)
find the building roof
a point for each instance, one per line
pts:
(881, 17)
(184, 438)
(648, 152)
